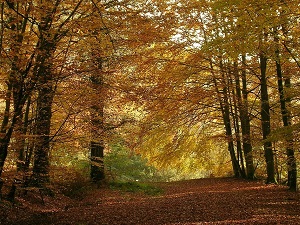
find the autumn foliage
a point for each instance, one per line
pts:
(190, 88)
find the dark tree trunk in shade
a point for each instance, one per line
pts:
(42, 145)
(46, 91)
(286, 118)
(245, 120)
(97, 124)
(265, 120)
(15, 83)
(224, 107)
(97, 166)
(235, 117)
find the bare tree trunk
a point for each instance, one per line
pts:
(21, 133)
(228, 129)
(46, 83)
(15, 82)
(265, 117)
(43, 124)
(45, 88)
(224, 106)
(286, 118)
(97, 132)
(236, 124)
(5, 140)
(245, 121)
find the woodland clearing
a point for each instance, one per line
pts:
(201, 201)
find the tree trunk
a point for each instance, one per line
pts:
(50, 34)
(227, 123)
(44, 74)
(24, 148)
(97, 165)
(45, 89)
(236, 124)
(43, 123)
(224, 106)
(286, 118)
(4, 140)
(245, 121)
(265, 117)
(45, 97)
(97, 113)
(15, 83)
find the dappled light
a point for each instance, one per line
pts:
(149, 112)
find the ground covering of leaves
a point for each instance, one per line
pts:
(202, 201)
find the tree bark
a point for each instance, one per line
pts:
(97, 124)
(44, 73)
(265, 117)
(4, 140)
(224, 107)
(236, 124)
(15, 83)
(45, 88)
(43, 124)
(245, 121)
(286, 118)
(228, 129)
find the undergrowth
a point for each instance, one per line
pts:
(136, 187)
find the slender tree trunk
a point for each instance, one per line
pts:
(31, 132)
(265, 117)
(227, 123)
(226, 118)
(15, 89)
(4, 140)
(236, 124)
(286, 118)
(245, 121)
(23, 156)
(224, 106)
(1, 27)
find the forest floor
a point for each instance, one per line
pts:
(202, 201)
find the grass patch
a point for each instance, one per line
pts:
(136, 187)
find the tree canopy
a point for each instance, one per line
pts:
(191, 88)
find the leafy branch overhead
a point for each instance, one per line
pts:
(192, 88)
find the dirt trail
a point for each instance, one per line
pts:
(203, 201)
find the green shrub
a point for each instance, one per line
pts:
(124, 166)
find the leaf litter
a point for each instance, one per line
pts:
(200, 201)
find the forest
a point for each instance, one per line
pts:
(148, 90)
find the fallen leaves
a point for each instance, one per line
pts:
(203, 201)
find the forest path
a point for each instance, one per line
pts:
(202, 201)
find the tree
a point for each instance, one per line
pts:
(48, 39)
(242, 94)
(265, 118)
(17, 64)
(97, 124)
(285, 112)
